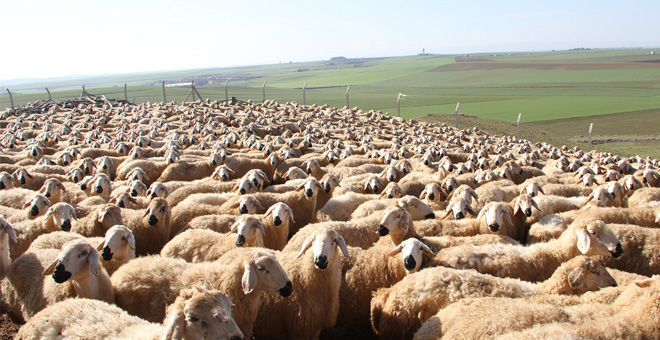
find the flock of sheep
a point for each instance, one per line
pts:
(215, 221)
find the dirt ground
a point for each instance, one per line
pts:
(7, 328)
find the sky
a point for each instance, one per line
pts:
(40, 39)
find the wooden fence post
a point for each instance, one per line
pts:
(456, 113)
(263, 92)
(304, 97)
(125, 92)
(591, 127)
(11, 98)
(192, 89)
(164, 96)
(347, 89)
(398, 103)
(49, 97)
(226, 91)
(519, 116)
(198, 94)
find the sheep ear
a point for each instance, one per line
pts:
(93, 260)
(657, 219)
(51, 267)
(249, 280)
(235, 205)
(100, 246)
(535, 205)
(9, 229)
(576, 277)
(300, 187)
(469, 209)
(583, 240)
(258, 204)
(481, 213)
(447, 214)
(516, 206)
(61, 186)
(342, 245)
(175, 326)
(366, 186)
(269, 211)
(261, 228)
(147, 212)
(396, 250)
(131, 240)
(27, 204)
(644, 283)
(507, 216)
(235, 188)
(306, 244)
(234, 227)
(290, 212)
(541, 189)
(422, 195)
(427, 250)
(405, 223)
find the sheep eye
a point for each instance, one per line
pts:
(123, 238)
(84, 253)
(192, 319)
(595, 272)
(592, 232)
(261, 268)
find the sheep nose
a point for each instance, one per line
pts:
(450, 169)
(225, 177)
(431, 197)
(87, 170)
(2, 185)
(34, 211)
(327, 188)
(309, 193)
(134, 193)
(375, 190)
(47, 194)
(460, 215)
(309, 171)
(383, 231)
(65, 163)
(244, 209)
(153, 220)
(644, 180)
(214, 162)
(242, 191)
(390, 196)
(494, 227)
(286, 290)
(153, 195)
(426, 162)
(277, 220)
(23, 180)
(66, 225)
(430, 216)
(60, 275)
(105, 167)
(99, 189)
(107, 253)
(618, 252)
(321, 262)
(34, 153)
(528, 212)
(240, 240)
(391, 179)
(121, 204)
(83, 186)
(409, 262)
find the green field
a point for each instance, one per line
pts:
(558, 93)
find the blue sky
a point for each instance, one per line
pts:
(70, 37)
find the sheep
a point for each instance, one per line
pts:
(640, 245)
(415, 207)
(398, 311)
(99, 221)
(117, 247)
(197, 313)
(7, 233)
(75, 272)
(643, 196)
(58, 217)
(302, 202)
(151, 229)
(182, 214)
(537, 262)
(222, 173)
(196, 245)
(15, 198)
(340, 208)
(187, 171)
(624, 316)
(152, 169)
(277, 228)
(7, 181)
(146, 285)
(314, 304)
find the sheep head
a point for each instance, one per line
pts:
(596, 238)
(412, 251)
(61, 213)
(495, 215)
(76, 259)
(281, 213)
(158, 211)
(199, 313)
(310, 187)
(263, 272)
(38, 205)
(392, 190)
(324, 243)
(431, 192)
(250, 231)
(586, 274)
(417, 209)
(118, 243)
(7, 181)
(247, 205)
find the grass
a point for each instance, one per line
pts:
(559, 93)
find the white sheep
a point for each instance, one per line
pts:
(7, 233)
(58, 217)
(196, 314)
(151, 228)
(99, 221)
(75, 270)
(316, 278)
(197, 245)
(398, 311)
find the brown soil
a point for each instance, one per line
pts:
(7, 328)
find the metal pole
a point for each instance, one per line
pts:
(11, 98)
(226, 92)
(49, 97)
(125, 93)
(519, 116)
(456, 114)
(192, 89)
(304, 97)
(164, 96)
(347, 89)
(263, 92)
(591, 127)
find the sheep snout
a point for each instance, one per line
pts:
(432, 196)
(34, 211)
(430, 216)
(60, 275)
(321, 262)
(244, 209)
(153, 220)
(286, 290)
(618, 252)
(66, 225)
(277, 221)
(459, 216)
(240, 240)
(409, 263)
(106, 254)
(309, 193)
(494, 227)
(99, 189)
(383, 231)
